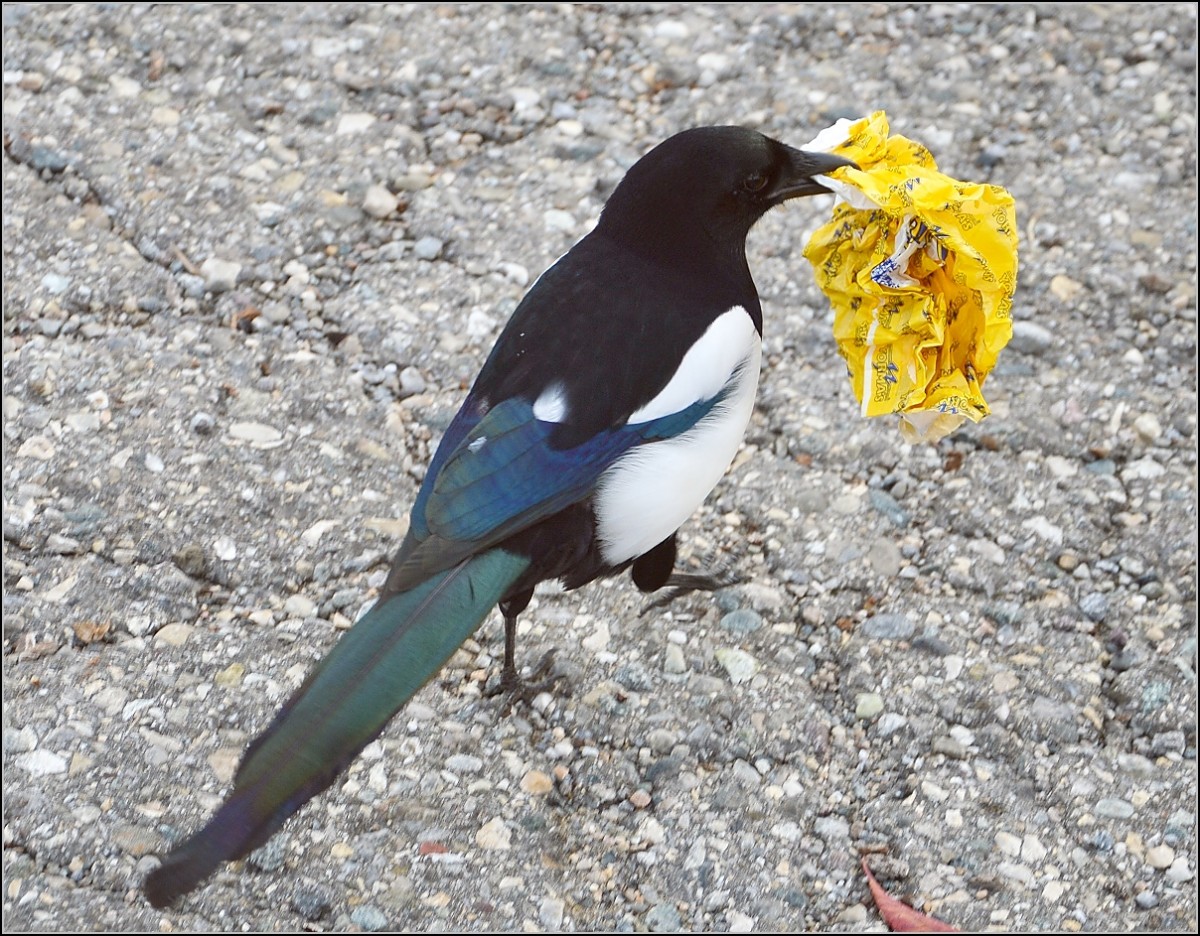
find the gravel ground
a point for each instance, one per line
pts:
(254, 255)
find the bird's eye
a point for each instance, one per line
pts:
(756, 182)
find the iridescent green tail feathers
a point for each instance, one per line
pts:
(344, 704)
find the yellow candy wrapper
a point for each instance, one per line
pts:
(920, 269)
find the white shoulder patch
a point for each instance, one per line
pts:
(551, 405)
(706, 367)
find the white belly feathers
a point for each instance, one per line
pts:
(653, 489)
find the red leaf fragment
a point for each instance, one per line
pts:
(900, 917)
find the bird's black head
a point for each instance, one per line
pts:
(710, 184)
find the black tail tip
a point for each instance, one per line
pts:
(163, 887)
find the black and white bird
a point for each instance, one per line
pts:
(611, 405)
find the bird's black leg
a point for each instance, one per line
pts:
(656, 569)
(511, 683)
(509, 679)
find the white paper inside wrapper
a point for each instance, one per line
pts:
(928, 425)
(828, 140)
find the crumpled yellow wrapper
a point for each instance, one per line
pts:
(921, 270)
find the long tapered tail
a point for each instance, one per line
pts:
(344, 704)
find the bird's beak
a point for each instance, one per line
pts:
(804, 165)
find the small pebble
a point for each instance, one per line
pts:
(55, 283)
(1063, 288)
(1015, 871)
(19, 741)
(1160, 857)
(1030, 338)
(888, 507)
(42, 763)
(1032, 849)
(1147, 900)
(174, 635)
(550, 913)
(299, 606)
(889, 723)
(354, 123)
(1179, 872)
(537, 783)
(255, 433)
(833, 829)
(1051, 532)
(1136, 765)
(203, 424)
(411, 382)
(494, 836)
(884, 557)
(1113, 808)
(855, 915)
(888, 627)
(949, 747)
(663, 918)
(867, 705)
(428, 248)
(559, 220)
(378, 202)
(62, 545)
(230, 677)
(311, 903)
(1094, 605)
(1144, 469)
(740, 665)
(514, 273)
(464, 763)
(1148, 428)
(369, 917)
(744, 621)
(220, 275)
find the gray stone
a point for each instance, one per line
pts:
(550, 913)
(833, 829)
(743, 621)
(739, 664)
(369, 917)
(1113, 808)
(220, 275)
(888, 627)
(868, 705)
(663, 918)
(1094, 605)
(378, 202)
(1030, 338)
(889, 507)
(428, 248)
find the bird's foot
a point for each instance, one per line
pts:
(543, 678)
(683, 583)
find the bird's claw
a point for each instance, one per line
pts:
(541, 679)
(683, 583)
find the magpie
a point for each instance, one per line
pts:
(611, 405)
